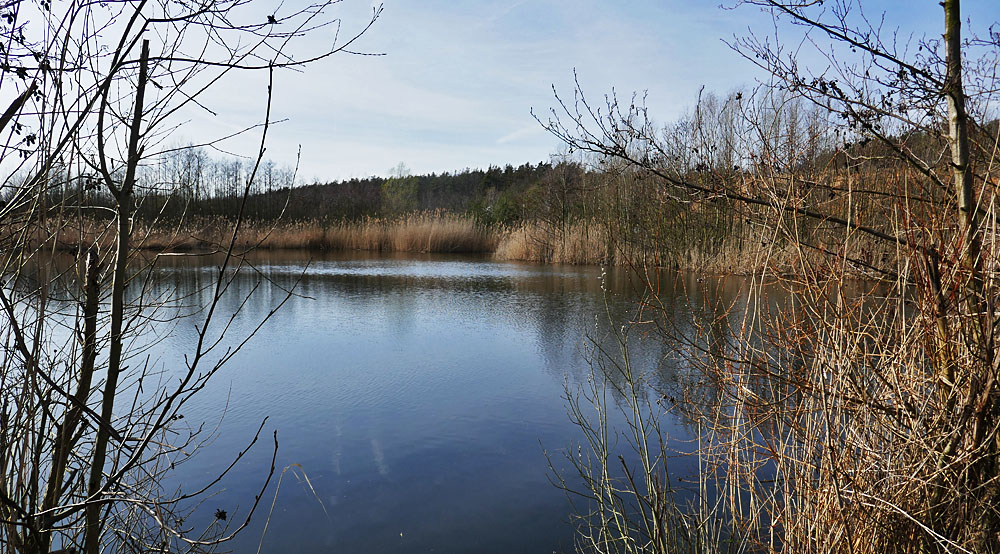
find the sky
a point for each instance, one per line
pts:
(457, 81)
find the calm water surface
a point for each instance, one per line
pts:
(419, 395)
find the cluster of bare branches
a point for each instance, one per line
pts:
(88, 427)
(847, 417)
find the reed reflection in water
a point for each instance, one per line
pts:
(416, 392)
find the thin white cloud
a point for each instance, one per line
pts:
(522, 133)
(459, 78)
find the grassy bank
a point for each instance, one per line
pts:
(581, 242)
(418, 232)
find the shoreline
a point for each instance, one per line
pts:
(577, 243)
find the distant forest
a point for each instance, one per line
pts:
(492, 195)
(723, 140)
(188, 183)
(682, 194)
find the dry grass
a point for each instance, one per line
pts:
(418, 232)
(580, 242)
(576, 243)
(593, 244)
(845, 416)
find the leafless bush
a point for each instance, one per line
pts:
(874, 410)
(88, 426)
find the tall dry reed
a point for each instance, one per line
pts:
(417, 232)
(578, 242)
(573, 243)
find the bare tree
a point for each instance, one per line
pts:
(855, 418)
(97, 88)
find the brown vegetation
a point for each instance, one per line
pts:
(416, 232)
(90, 425)
(739, 251)
(851, 420)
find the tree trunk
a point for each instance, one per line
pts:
(66, 431)
(978, 398)
(124, 198)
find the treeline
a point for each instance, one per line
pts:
(182, 182)
(492, 195)
(613, 198)
(188, 183)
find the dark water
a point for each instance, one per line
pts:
(417, 394)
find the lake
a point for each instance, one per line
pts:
(414, 397)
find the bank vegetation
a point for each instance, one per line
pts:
(91, 427)
(740, 155)
(853, 416)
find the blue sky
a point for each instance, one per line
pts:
(458, 79)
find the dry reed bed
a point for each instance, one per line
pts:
(419, 232)
(582, 242)
(575, 243)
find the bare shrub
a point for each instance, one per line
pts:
(88, 426)
(854, 417)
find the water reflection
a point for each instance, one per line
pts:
(416, 392)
